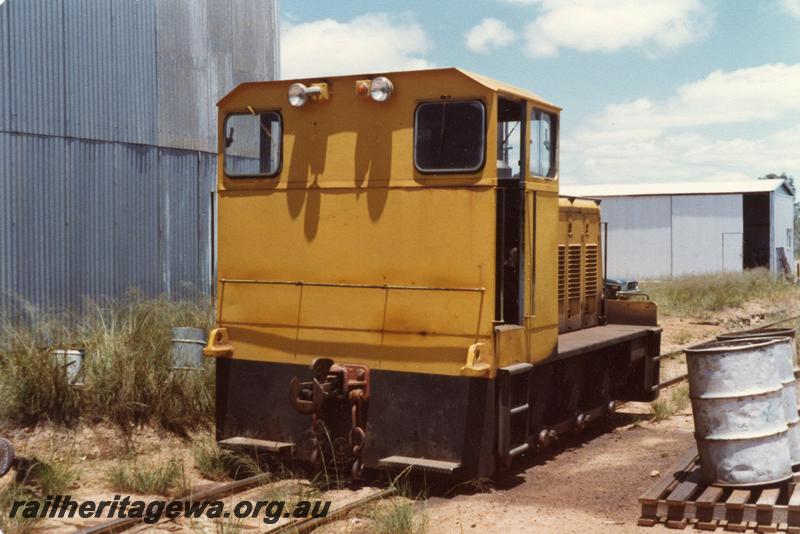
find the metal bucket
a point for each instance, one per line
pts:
(739, 418)
(72, 360)
(187, 347)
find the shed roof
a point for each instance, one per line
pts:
(674, 188)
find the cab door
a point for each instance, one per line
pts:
(541, 234)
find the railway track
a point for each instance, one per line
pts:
(681, 378)
(308, 524)
(237, 486)
(296, 526)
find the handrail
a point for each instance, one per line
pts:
(359, 286)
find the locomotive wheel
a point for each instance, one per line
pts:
(6, 456)
(602, 391)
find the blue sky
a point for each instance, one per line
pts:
(652, 90)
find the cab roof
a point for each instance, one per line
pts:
(489, 83)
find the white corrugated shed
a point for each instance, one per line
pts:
(674, 229)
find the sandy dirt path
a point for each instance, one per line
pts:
(585, 484)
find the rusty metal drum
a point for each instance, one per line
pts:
(739, 414)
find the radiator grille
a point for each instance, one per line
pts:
(590, 271)
(574, 272)
(561, 272)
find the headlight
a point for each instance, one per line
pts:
(380, 89)
(298, 94)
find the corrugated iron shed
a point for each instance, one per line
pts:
(681, 228)
(108, 141)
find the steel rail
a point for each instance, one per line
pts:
(121, 524)
(307, 524)
(683, 349)
(681, 378)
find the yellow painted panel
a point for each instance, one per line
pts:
(343, 308)
(511, 345)
(435, 312)
(258, 303)
(541, 231)
(387, 351)
(433, 239)
(424, 237)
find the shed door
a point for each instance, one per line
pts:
(731, 252)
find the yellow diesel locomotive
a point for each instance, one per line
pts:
(399, 283)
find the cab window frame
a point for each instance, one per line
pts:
(257, 176)
(552, 174)
(484, 131)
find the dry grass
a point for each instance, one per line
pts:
(695, 295)
(211, 461)
(9, 494)
(398, 515)
(52, 477)
(127, 369)
(402, 514)
(164, 479)
(667, 406)
(35, 482)
(215, 463)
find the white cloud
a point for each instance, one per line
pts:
(670, 139)
(488, 34)
(611, 25)
(368, 43)
(792, 7)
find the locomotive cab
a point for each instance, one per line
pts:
(399, 283)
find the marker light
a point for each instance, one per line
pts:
(299, 93)
(380, 89)
(362, 87)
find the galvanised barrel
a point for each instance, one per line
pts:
(187, 347)
(739, 415)
(765, 332)
(789, 384)
(772, 332)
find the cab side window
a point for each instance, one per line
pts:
(450, 137)
(253, 144)
(544, 137)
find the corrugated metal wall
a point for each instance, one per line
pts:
(707, 234)
(651, 237)
(639, 236)
(107, 140)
